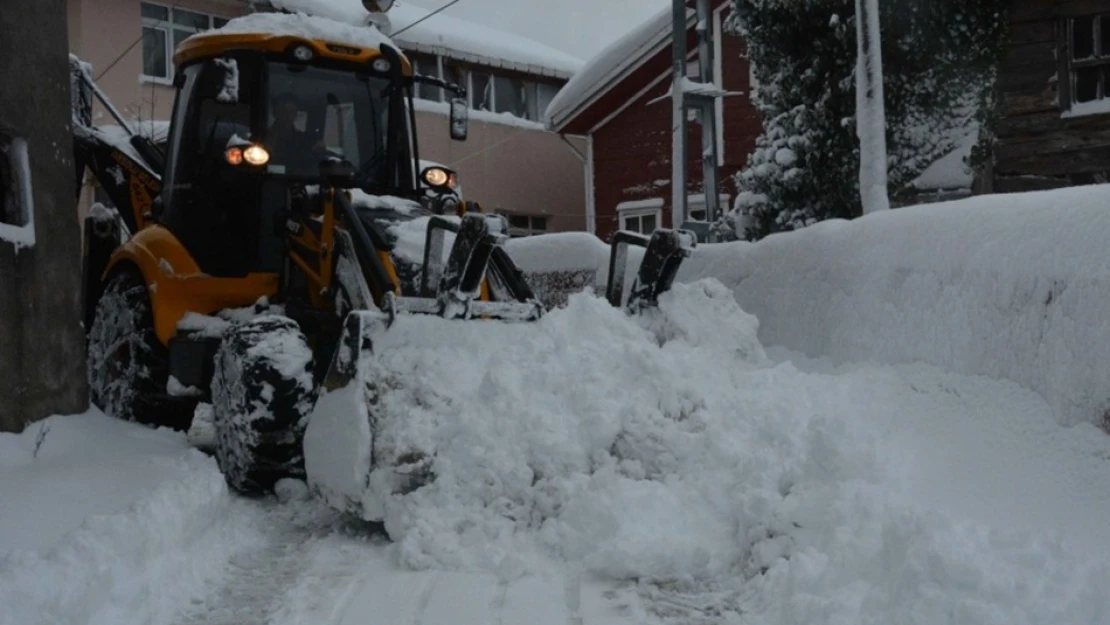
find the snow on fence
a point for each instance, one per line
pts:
(559, 264)
(1012, 286)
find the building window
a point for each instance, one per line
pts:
(164, 28)
(526, 225)
(642, 216)
(426, 65)
(697, 211)
(1087, 60)
(487, 89)
(644, 222)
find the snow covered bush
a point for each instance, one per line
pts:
(939, 60)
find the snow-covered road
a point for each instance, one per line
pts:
(702, 480)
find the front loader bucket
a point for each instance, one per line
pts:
(341, 461)
(358, 452)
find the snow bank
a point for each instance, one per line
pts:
(1009, 286)
(669, 450)
(110, 523)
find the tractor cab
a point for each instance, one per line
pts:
(261, 121)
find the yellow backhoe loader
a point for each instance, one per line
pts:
(249, 266)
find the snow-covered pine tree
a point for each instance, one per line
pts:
(939, 59)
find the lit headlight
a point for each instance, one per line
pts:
(437, 177)
(381, 65)
(234, 156)
(256, 155)
(252, 154)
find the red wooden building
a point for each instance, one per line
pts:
(628, 160)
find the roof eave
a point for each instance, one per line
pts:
(479, 59)
(561, 120)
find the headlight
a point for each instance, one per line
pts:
(252, 154)
(303, 53)
(256, 155)
(437, 177)
(381, 64)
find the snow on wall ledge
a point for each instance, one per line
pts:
(1010, 286)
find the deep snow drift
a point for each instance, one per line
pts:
(1013, 286)
(670, 450)
(110, 523)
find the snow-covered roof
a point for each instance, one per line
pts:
(607, 67)
(447, 36)
(950, 171)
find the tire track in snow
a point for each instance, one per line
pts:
(572, 596)
(255, 580)
(497, 603)
(427, 587)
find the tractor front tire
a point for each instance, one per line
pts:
(262, 393)
(127, 365)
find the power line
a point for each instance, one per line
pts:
(490, 147)
(133, 44)
(433, 13)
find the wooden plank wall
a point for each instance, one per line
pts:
(1037, 148)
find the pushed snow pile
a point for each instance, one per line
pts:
(109, 523)
(669, 450)
(1013, 286)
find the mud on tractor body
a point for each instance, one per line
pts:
(250, 270)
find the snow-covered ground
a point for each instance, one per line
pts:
(669, 468)
(613, 470)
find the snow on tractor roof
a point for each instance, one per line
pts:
(306, 26)
(447, 36)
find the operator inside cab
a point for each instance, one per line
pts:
(289, 145)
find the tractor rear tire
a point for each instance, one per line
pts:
(262, 393)
(128, 366)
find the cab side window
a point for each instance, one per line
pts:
(213, 208)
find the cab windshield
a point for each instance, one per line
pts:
(314, 113)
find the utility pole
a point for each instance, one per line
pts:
(870, 109)
(701, 97)
(678, 130)
(42, 343)
(707, 112)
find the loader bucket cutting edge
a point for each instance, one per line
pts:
(342, 463)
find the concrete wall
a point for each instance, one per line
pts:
(42, 347)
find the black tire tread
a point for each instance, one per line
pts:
(260, 414)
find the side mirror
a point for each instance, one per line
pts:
(460, 119)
